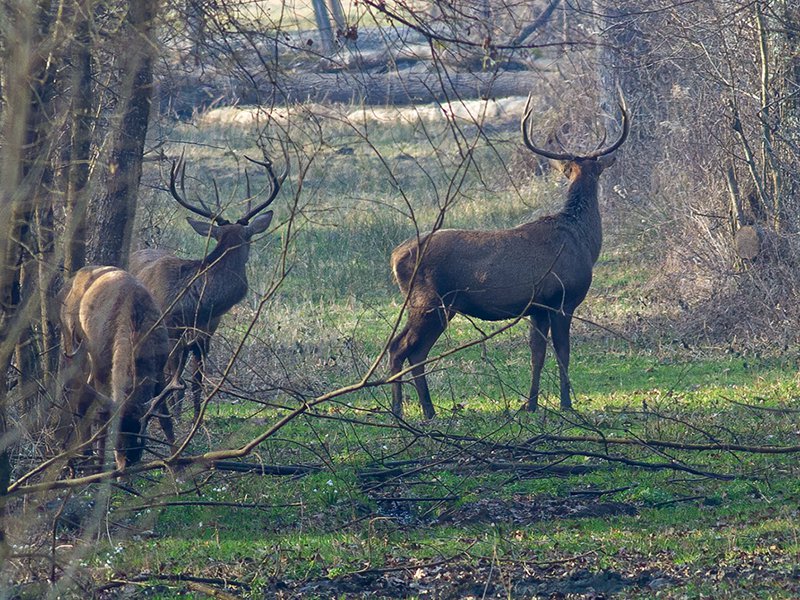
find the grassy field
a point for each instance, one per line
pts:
(640, 493)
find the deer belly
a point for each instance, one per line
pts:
(496, 304)
(487, 306)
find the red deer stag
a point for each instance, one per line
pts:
(540, 269)
(195, 294)
(114, 349)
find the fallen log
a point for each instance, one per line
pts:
(184, 94)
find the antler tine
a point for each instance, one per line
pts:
(249, 193)
(525, 127)
(626, 128)
(217, 200)
(179, 167)
(275, 184)
(603, 141)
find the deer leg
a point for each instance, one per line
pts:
(540, 326)
(397, 356)
(129, 445)
(74, 426)
(176, 363)
(560, 324)
(161, 411)
(103, 417)
(198, 374)
(413, 344)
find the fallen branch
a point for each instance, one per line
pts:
(206, 503)
(678, 500)
(599, 493)
(179, 578)
(421, 499)
(261, 469)
(666, 444)
(428, 565)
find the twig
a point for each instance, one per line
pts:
(427, 565)
(421, 499)
(672, 445)
(780, 411)
(262, 469)
(599, 492)
(678, 500)
(210, 591)
(179, 578)
(538, 563)
(205, 503)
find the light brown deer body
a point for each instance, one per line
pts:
(195, 294)
(541, 269)
(115, 348)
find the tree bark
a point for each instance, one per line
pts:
(23, 68)
(337, 13)
(537, 23)
(324, 26)
(82, 111)
(116, 210)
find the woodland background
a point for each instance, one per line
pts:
(676, 476)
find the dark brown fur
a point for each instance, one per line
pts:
(195, 294)
(540, 270)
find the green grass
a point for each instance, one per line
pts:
(329, 320)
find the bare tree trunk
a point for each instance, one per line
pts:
(116, 210)
(537, 23)
(324, 26)
(19, 63)
(335, 7)
(80, 143)
(196, 26)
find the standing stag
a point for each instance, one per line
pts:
(541, 269)
(195, 294)
(114, 349)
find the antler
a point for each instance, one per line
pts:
(275, 184)
(597, 153)
(179, 166)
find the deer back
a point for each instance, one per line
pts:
(496, 274)
(196, 293)
(115, 317)
(115, 343)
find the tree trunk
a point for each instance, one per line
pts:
(21, 65)
(80, 144)
(335, 7)
(537, 23)
(116, 210)
(324, 26)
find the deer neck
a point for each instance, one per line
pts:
(582, 211)
(222, 280)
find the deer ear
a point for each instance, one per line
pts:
(203, 228)
(260, 223)
(607, 160)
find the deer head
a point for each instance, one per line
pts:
(217, 227)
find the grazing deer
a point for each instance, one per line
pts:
(114, 351)
(195, 294)
(540, 269)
